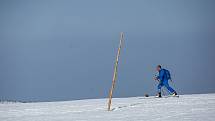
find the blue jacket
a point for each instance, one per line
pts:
(162, 75)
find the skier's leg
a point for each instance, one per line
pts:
(159, 89)
(170, 89)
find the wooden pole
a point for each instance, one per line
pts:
(115, 71)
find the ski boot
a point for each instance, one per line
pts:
(159, 95)
(174, 94)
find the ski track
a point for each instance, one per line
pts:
(196, 107)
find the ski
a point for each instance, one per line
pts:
(167, 96)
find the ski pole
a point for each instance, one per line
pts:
(164, 94)
(166, 91)
(174, 85)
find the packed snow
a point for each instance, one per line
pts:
(196, 107)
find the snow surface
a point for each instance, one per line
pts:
(197, 107)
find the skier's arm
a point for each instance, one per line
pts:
(155, 78)
(170, 78)
(161, 74)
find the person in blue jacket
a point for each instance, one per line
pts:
(163, 77)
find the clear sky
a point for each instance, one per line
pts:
(65, 49)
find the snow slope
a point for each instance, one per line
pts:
(197, 107)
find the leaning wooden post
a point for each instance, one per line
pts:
(115, 71)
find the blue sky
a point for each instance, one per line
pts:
(65, 49)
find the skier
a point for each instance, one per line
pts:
(163, 77)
